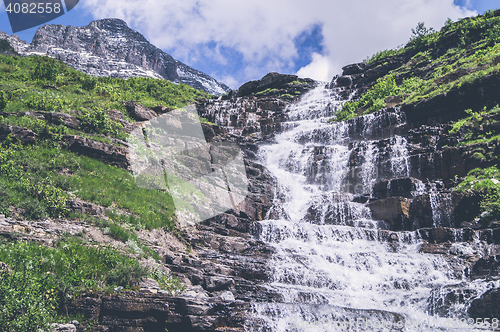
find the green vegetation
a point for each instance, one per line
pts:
(36, 177)
(39, 280)
(478, 127)
(375, 98)
(267, 91)
(37, 180)
(487, 182)
(434, 62)
(25, 81)
(204, 120)
(44, 176)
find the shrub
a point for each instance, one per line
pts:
(45, 70)
(486, 182)
(26, 302)
(3, 101)
(33, 209)
(167, 282)
(45, 101)
(89, 83)
(348, 111)
(97, 120)
(118, 232)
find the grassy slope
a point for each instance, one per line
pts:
(434, 62)
(36, 181)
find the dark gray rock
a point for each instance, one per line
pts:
(486, 267)
(108, 153)
(25, 136)
(284, 84)
(487, 306)
(139, 112)
(85, 208)
(67, 120)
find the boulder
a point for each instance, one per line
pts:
(393, 210)
(108, 153)
(486, 267)
(487, 306)
(355, 68)
(62, 327)
(25, 136)
(85, 208)
(67, 120)
(404, 187)
(139, 112)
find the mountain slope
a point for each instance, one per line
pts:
(109, 47)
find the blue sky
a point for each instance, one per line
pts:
(238, 41)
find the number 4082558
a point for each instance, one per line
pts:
(33, 8)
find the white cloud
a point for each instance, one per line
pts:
(319, 69)
(263, 31)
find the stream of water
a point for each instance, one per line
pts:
(332, 270)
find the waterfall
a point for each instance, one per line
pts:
(332, 269)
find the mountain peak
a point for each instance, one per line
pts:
(109, 22)
(109, 47)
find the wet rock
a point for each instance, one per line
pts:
(487, 306)
(443, 299)
(421, 214)
(405, 187)
(393, 210)
(437, 235)
(486, 267)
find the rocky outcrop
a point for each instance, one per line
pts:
(487, 306)
(109, 47)
(139, 112)
(451, 106)
(275, 84)
(258, 108)
(108, 153)
(245, 116)
(23, 135)
(146, 312)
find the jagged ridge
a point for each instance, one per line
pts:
(109, 47)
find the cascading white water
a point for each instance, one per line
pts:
(331, 267)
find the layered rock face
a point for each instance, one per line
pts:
(371, 197)
(348, 220)
(109, 47)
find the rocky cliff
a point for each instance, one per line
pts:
(363, 219)
(109, 47)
